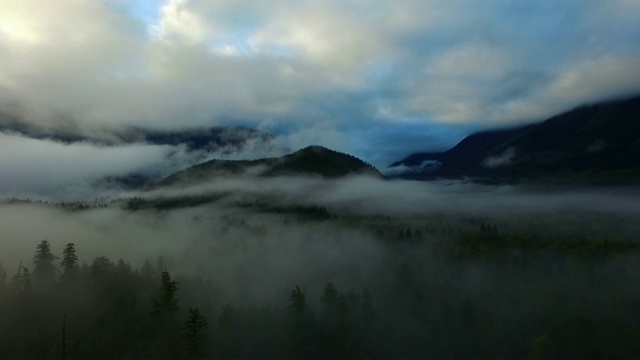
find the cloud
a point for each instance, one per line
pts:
(503, 159)
(91, 65)
(35, 167)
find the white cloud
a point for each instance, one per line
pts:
(32, 166)
(179, 23)
(503, 159)
(212, 62)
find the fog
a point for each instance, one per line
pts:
(47, 169)
(369, 195)
(253, 254)
(452, 267)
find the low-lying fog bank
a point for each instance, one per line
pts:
(257, 250)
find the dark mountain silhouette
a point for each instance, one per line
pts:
(595, 144)
(312, 160)
(200, 144)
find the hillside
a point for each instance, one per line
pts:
(595, 144)
(312, 160)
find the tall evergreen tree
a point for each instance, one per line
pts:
(69, 262)
(44, 268)
(194, 333)
(166, 303)
(166, 331)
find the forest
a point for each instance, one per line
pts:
(272, 279)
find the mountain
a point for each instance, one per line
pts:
(594, 144)
(189, 146)
(312, 160)
(200, 145)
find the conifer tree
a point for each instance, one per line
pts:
(166, 303)
(69, 262)
(44, 268)
(194, 333)
(166, 328)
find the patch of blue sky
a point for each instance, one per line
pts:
(145, 11)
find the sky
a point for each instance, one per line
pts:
(376, 79)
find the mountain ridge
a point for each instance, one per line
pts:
(598, 144)
(311, 160)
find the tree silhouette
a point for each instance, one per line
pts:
(166, 303)
(194, 333)
(44, 268)
(166, 328)
(69, 261)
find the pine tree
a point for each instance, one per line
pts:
(69, 262)
(194, 332)
(166, 303)
(297, 304)
(44, 268)
(166, 327)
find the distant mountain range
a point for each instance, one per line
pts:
(595, 144)
(312, 160)
(228, 139)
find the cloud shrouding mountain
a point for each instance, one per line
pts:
(330, 72)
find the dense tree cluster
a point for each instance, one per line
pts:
(481, 290)
(111, 310)
(70, 206)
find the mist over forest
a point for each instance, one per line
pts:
(307, 266)
(188, 179)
